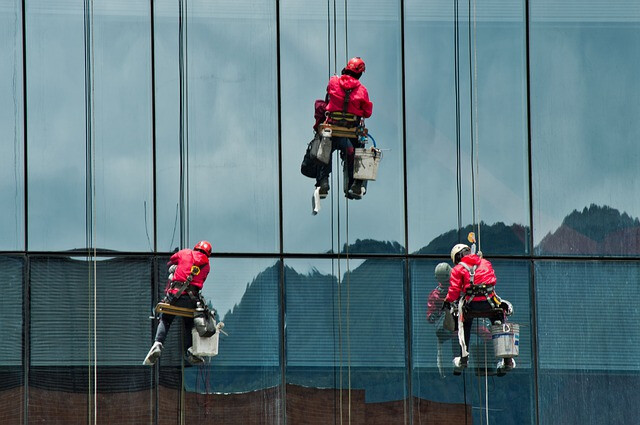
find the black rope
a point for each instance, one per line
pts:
(456, 38)
(471, 120)
(456, 46)
(346, 33)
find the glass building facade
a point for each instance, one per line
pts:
(130, 129)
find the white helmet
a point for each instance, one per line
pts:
(456, 250)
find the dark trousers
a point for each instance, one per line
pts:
(347, 147)
(479, 309)
(167, 319)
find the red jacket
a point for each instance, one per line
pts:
(359, 103)
(459, 279)
(185, 258)
(434, 303)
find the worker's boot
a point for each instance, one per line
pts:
(153, 355)
(192, 358)
(459, 364)
(357, 190)
(324, 187)
(505, 365)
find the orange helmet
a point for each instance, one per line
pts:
(356, 65)
(204, 247)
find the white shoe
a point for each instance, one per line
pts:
(459, 364)
(315, 201)
(503, 368)
(153, 355)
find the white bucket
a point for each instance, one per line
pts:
(205, 347)
(365, 165)
(506, 340)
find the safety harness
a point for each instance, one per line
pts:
(182, 286)
(479, 290)
(474, 290)
(344, 118)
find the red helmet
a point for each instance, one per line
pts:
(356, 65)
(204, 247)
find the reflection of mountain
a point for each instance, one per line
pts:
(371, 246)
(496, 238)
(594, 231)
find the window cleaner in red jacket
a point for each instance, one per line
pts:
(472, 284)
(346, 94)
(188, 270)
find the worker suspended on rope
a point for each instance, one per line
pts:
(188, 270)
(346, 105)
(472, 294)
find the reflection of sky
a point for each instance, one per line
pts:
(11, 146)
(583, 120)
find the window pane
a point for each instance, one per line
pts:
(304, 70)
(122, 126)
(305, 46)
(585, 59)
(433, 384)
(431, 122)
(345, 340)
(232, 125)
(11, 128)
(493, 131)
(66, 339)
(588, 341)
(56, 125)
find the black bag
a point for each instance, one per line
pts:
(309, 166)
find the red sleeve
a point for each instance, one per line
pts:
(205, 271)
(455, 284)
(366, 105)
(174, 259)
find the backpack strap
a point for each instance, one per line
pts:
(347, 96)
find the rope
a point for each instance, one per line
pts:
(91, 211)
(346, 52)
(473, 92)
(184, 163)
(456, 46)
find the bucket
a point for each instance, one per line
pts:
(204, 346)
(506, 338)
(365, 165)
(321, 146)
